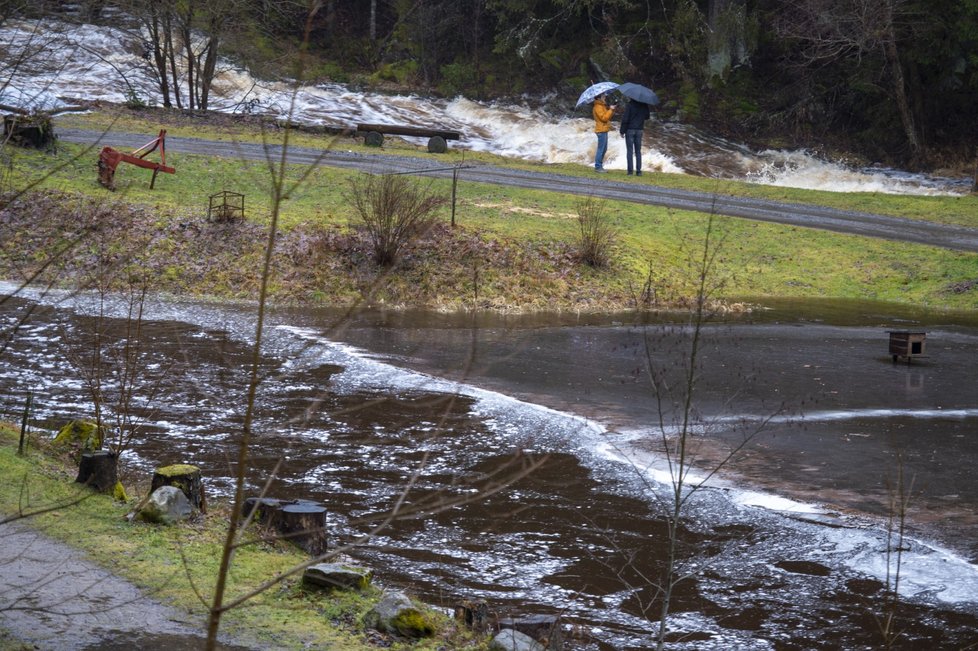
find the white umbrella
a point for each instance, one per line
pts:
(599, 88)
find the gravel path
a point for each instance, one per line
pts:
(954, 237)
(51, 597)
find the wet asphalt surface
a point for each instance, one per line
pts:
(954, 237)
(53, 598)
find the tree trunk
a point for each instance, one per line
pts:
(373, 20)
(301, 522)
(159, 57)
(206, 77)
(267, 510)
(974, 186)
(172, 56)
(330, 19)
(899, 83)
(191, 60)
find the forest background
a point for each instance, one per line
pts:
(887, 81)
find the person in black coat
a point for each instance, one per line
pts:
(632, 124)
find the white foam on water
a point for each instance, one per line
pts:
(800, 169)
(840, 415)
(926, 570)
(773, 502)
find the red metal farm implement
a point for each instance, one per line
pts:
(110, 158)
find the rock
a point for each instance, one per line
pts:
(185, 477)
(336, 576)
(509, 640)
(542, 628)
(167, 505)
(395, 613)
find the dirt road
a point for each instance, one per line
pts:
(958, 238)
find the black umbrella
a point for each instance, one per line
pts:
(639, 93)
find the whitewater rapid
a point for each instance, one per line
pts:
(71, 63)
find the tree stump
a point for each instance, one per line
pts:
(98, 470)
(474, 614)
(185, 477)
(266, 507)
(304, 524)
(268, 510)
(35, 131)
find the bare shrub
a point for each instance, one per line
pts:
(394, 209)
(597, 235)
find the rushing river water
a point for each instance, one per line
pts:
(108, 63)
(787, 549)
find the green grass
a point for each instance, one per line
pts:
(962, 210)
(538, 229)
(160, 559)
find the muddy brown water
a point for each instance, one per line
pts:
(358, 409)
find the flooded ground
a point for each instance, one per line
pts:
(839, 417)
(787, 549)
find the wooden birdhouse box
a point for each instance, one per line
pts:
(904, 343)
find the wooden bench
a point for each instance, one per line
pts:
(374, 135)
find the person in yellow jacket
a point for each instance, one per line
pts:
(602, 114)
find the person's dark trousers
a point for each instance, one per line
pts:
(633, 144)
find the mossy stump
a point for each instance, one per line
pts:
(98, 470)
(79, 436)
(185, 477)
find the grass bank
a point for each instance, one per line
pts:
(511, 250)
(172, 563)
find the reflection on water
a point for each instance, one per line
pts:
(583, 534)
(91, 62)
